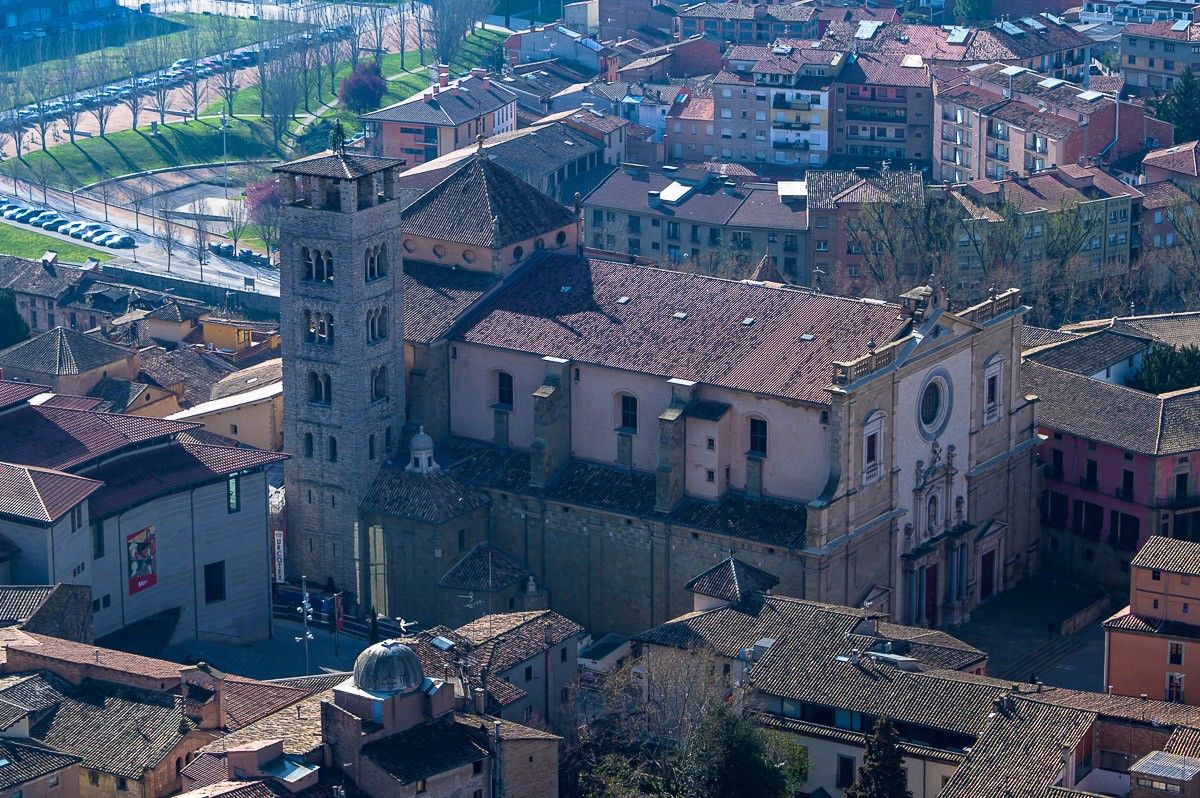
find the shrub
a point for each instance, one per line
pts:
(363, 89)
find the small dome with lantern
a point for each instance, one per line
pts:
(388, 667)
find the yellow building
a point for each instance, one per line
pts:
(253, 417)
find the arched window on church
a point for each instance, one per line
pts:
(306, 259)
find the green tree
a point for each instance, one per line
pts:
(973, 9)
(1179, 107)
(726, 758)
(882, 773)
(1168, 368)
(13, 329)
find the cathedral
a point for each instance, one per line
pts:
(483, 416)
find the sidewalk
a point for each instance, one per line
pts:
(277, 657)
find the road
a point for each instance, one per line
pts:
(149, 255)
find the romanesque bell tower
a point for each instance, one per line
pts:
(341, 301)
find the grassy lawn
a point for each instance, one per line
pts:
(70, 166)
(23, 243)
(159, 41)
(475, 48)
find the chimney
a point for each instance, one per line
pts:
(654, 198)
(480, 701)
(443, 75)
(731, 187)
(478, 72)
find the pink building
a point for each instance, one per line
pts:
(1120, 464)
(449, 115)
(1180, 163)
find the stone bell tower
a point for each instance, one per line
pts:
(341, 305)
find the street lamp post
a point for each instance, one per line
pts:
(305, 610)
(225, 152)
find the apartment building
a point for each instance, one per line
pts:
(140, 510)
(1161, 202)
(1154, 54)
(1122, 12)
(564, 45)
(996, 119)
(694, 217)
(1044, 43)
(882, 109)
(449, 115)
(748, 23)
(691, 129)
(835, 198)
(1103, 209)
(1120, 464)
(1152, 645)
(772, 103)
(1179, 163)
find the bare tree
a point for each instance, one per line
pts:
(224, 35)
(355, 18)
(201, 228)
(167, 231)
(402, 31)
(419, 15)
(449, 21)
(39, 84)
(284, 97)
(10, 118)
(265, 55)
(377, 18)
(70, 81)
(135, 56)
(239, 221)
(105, 188)
(197, 85)
(101, 107)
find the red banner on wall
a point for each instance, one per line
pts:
(143, 560)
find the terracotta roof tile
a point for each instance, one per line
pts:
(342, 165)
(41, 495)
(436, 297)
(14, 393)
(250, 700)
(19, 602)
(447, 107)
(483, 204)
(1020, 751)
(434, 498)
(1169, 554)
(52, 437)
(732, 580)
(1089, 354)
(61, 351)
(788, 351)
(25, 762)
(485, 568)
(1182, 158)
(206, 769)
(143, 476)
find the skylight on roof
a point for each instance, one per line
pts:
(1033, 23)
(1089, 96)
(1009, 28)
(676, 192)
(912, 60)
(679, 314)
(867, 29)
(957, 35)
(1181, 25)
(791, 189)
(1010, 71)
(1051, 83)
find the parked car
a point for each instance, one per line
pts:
(56, 225)
(28, 213)
(105, 238)
(11, 213)
(91, 235)
(86, 227)
(122, 241)
(44, 219)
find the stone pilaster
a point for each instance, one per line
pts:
(551, 448)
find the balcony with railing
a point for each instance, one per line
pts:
(997, 151)
(784, 144)
(997, 133)
(780, 102)
(868, 114)
(791, 125)
(877, 136)
(958, 137)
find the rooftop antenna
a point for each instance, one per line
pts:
(404, 625)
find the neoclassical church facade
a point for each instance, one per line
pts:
(482, 416)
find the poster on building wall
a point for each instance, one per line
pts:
(143, 560)
(280, 552)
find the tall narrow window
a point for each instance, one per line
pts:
(308, 444)
(872, 448)
(993, 390)
(214, 582)
(758, 437)
(504, 389)
(370, 447)
(332, 450)
(233, 494)
(629, 413)
(379, 386)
